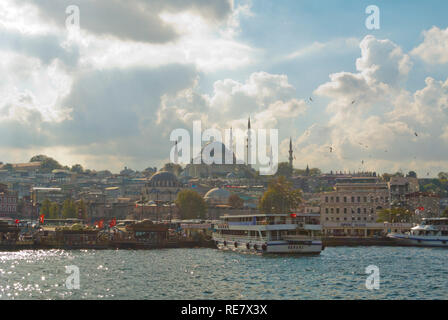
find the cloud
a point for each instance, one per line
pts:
(382, 61)
(136, 20)
(434, 49)
(333, 46)
(375, 123)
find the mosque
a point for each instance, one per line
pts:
(197, 168)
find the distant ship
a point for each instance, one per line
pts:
(270, 233)
(431, 232)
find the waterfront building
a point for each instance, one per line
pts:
(8, 202)
(355, 199)
(401, 186)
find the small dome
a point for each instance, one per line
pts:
(217, 196)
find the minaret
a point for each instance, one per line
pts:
(307, 171)
(176, 160)
(290, 153)
(248, 145)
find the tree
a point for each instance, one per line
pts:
(48, 164)
(45, 208)
(395, 215)
(69, 209)
(8, 167)
(77, 168)
(235, 201)
(280, 197)
(412, 174)
(38, 158)
(81, 209)
(54, 211)
(284, 169)
(191, 205)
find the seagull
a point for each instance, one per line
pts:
(416, 134)
(331, 149)
(353, 101)
(311, 99)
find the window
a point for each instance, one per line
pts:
(365, 199)
(337, 199)
(326, 199)
(365, 210)
(345, 210)
(345, 199)
(359, 199)
(326, 210)
(353, 199)
(337, 210)
(332, 210)
(359, 210)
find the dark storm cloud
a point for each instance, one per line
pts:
(136, 20)
(119, 104)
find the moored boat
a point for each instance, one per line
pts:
(297, 233)
(431, 232)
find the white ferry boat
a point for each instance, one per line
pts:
(298, 233)
(431, 232)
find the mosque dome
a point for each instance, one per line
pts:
(216, 151)
(163, 179)
(217, 196)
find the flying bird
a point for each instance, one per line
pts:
(353, 102)
(311, 99)
(416, 134)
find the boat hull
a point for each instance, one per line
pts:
(266, 247)
(419, 241)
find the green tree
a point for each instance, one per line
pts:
(412, 174)
(445, 213)
(395, 215)
(54, 211)
(45, 208)
(280, 197)
(81, 208)
(284, 169)
(191, 205)
(235, 201)
(48, 164)
(77, 168)
(69, 209)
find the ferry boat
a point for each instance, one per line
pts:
(431, 232)
(297, 233)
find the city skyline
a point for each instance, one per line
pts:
(109, 95)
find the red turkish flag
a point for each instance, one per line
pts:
(293, 215)
(17, 221)
(41, 219)
(100, 224)
(113, 223)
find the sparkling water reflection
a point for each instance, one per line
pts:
(338, 273)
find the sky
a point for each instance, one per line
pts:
(108, 95)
